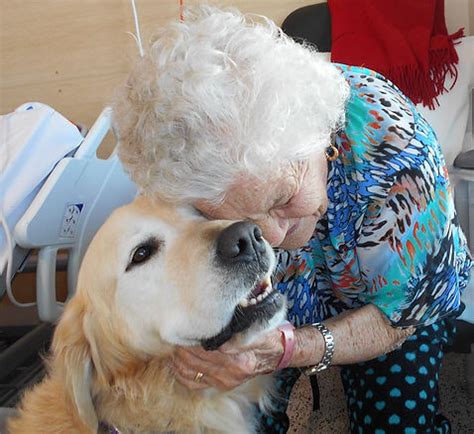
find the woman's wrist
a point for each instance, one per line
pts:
(287, 331)
(309, 347)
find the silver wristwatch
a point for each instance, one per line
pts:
(328, 350)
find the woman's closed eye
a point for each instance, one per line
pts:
(283, 203)
(202, 214)
(144, 252)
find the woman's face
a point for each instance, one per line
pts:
(286, 205)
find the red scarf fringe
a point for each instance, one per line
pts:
(424, 87)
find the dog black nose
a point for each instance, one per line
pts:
(240, 242)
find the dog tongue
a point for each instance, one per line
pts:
(259, 289)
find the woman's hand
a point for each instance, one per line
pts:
(229, 366)
(360, 334)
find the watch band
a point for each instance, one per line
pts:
(287, 331)
(329, 346)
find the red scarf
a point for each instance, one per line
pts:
(405, 40)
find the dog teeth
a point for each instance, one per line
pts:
(245, 302)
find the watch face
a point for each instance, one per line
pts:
(71, 220)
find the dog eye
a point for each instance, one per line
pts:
(143, 252)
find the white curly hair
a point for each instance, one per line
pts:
(219, 96)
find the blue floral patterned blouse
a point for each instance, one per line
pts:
(390, 235)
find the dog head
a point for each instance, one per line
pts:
(179, 278)
(156, 276)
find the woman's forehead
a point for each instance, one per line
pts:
(250, 196)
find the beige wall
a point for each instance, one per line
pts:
(71, 53)
(460, 13)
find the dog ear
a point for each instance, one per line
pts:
(72, 358)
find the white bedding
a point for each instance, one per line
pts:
(34, 138)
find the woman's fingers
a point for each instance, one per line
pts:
(219, 370)
(228, 367)
(190, 378)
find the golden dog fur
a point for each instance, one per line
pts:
(96, 373)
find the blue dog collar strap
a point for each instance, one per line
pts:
(108, 429)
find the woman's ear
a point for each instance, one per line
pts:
(72, 359)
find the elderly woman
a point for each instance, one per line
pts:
(341, 173)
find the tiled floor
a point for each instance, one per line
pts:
(456, 403)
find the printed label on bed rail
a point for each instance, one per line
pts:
(71, 220)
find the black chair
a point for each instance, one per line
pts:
(311, 24)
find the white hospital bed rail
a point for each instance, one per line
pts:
(77, 197)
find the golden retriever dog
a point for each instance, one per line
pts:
(155, 277)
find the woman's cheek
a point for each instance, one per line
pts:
(273, 232)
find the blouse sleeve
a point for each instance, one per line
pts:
(411, 251)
